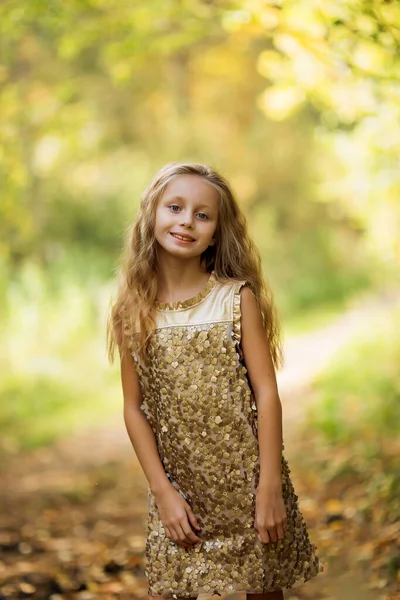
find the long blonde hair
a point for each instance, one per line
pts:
(233, 256)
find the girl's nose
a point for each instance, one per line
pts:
(187, 220)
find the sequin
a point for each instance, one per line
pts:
(199, 404)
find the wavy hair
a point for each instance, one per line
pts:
(233, 256)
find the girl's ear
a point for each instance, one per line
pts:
(212, 243)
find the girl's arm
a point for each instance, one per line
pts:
(262, 377)
(174, 510)
(139, 430)
(261, 373)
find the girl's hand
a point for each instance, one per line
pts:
(177, 518)
(270, 519)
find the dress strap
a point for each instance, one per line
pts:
(237, 315)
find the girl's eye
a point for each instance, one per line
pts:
(175, 208)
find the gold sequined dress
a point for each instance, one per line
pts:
(198, 400)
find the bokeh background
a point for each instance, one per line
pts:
(297, 103)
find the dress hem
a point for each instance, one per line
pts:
(225, 592)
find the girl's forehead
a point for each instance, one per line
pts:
(191, 187)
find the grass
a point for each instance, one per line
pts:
(353, 423)
(55, 378)
(358, 397)
(54, 375)
(308, 320)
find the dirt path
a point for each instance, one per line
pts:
(309, 354)
(72, 516)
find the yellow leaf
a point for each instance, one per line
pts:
(333, 506)
(278, 102)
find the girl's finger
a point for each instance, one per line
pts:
(189, 533)
(175, 536)
(178, 536)
(184, 538)
(263, 536)
(280, 531)
(192, 518)
(272, 534)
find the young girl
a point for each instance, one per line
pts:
(198, 337)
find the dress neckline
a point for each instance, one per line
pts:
(182, 304)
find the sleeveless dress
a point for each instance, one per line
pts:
(198, 400)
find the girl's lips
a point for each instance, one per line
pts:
(182, 238)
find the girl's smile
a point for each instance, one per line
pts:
(186, 239)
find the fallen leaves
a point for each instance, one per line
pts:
(58, 542)
(354, 514)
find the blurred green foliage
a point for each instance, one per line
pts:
(353, 422)
(358, 397)
(37, 409)
(90, 111)
(54, 373)
(296, 102)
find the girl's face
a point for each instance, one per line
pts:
(186, 216)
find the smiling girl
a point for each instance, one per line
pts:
(198, 338)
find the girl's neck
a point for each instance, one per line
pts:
(180, 280)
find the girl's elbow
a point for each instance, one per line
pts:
(267, 396)
(132, 408)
